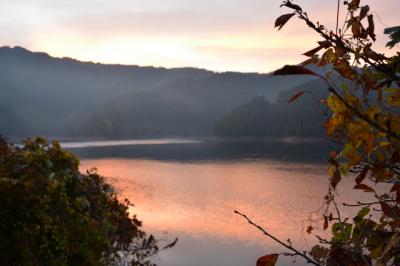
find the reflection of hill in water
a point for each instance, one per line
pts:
(214, 150)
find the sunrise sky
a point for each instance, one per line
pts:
(220, 35)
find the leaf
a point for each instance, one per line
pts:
(282, 20)
(395, 156)
(172, 244)
(294, 70)
(371, 27)
(362, 175)
(395, 188)
(394, 35)
(312, 60)
(341, 232)
(313, 51)
(268, 260)
(292, 6)
(335, 179)
(364, 187)
(332, 155)
(326, 223)
(364, 12)
(339, 51)
(386, 209)
(363, 212)
(295, 96)
(319, 252)
(344, 69)
(357, 28)
(354, 4)
(325, 44)
(328, 57)
(309, 229)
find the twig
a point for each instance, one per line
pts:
(337, 16)
(368, 204)
(308, 259)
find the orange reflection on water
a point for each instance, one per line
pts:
(199, 198)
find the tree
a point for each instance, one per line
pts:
(364, 120)
(51, 214)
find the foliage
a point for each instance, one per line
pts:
(51, 214)
(394, 34)
(365, 121)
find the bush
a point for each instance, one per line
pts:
(51, 214)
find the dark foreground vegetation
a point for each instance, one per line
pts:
(51, 214)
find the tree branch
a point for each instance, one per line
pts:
(301, 254)
(334, 38)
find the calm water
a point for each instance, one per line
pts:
(190, 189)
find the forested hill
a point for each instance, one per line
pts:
(303, 117)
(63, 97)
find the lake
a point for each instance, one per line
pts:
(190, 188)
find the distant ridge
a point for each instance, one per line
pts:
(65, 97)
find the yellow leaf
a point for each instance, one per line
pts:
(335, 104)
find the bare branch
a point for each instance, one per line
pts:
(290, 247)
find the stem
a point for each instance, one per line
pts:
(337, 16)
(308, 259)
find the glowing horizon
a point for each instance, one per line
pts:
(214, 35)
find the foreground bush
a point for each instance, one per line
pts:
(51, 214)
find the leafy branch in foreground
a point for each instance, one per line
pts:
(364, 104)
(51, 214)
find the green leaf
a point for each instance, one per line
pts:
(341, 232)
(363, 212)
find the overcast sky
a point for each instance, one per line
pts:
(220, 35)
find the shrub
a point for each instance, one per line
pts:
(51, 214)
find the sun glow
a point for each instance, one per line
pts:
(174, 34)
(252, 52)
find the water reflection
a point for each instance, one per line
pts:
(190, 190)
(195, 201)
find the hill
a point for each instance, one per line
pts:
(63, 97)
